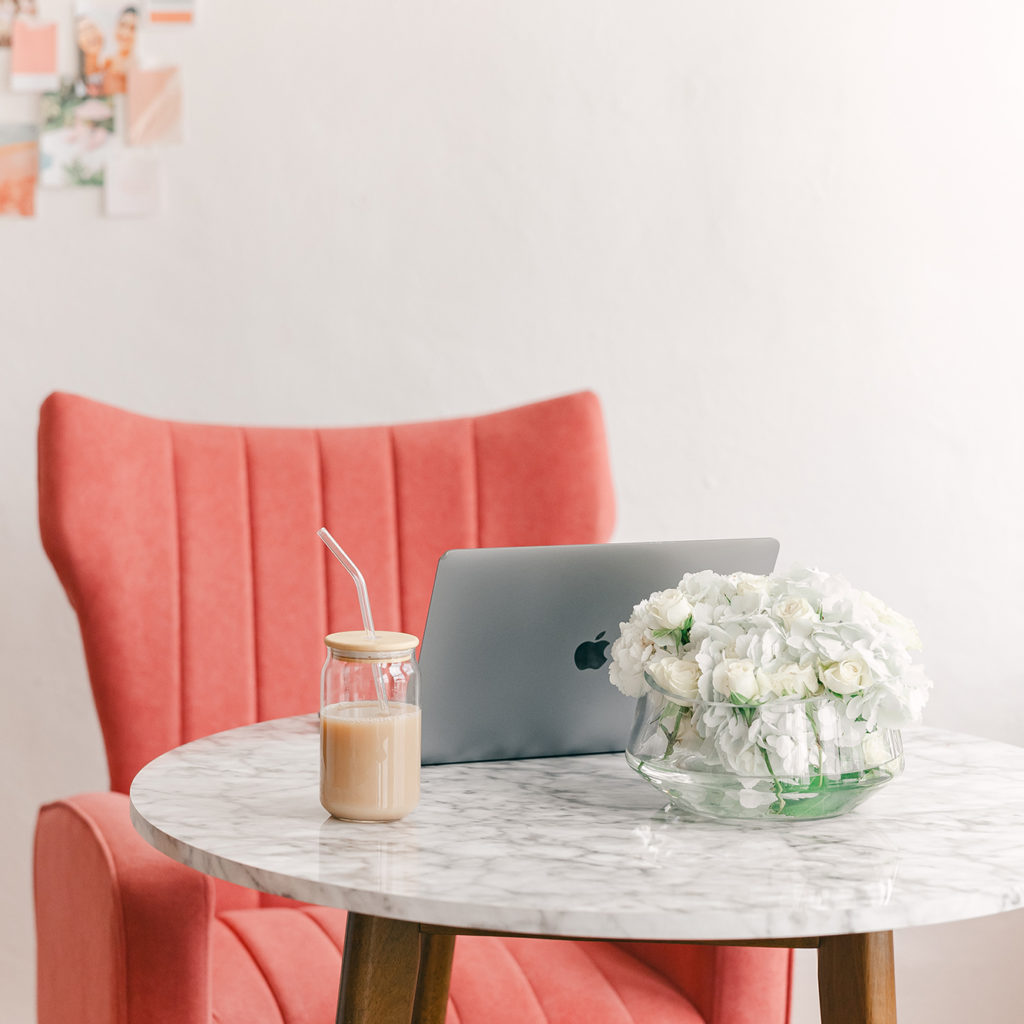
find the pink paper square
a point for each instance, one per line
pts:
(33, 56)
(154, 106)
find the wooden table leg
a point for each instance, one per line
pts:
(856, 979)
(436, 952)
(379, 971)
(393, 973)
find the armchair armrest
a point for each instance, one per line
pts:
(727, 984)
(100, 891)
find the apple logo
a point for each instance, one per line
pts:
(591, 653)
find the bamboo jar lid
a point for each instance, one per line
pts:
(385, 645)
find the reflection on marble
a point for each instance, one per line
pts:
(582, 846)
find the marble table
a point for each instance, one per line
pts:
(581, 847)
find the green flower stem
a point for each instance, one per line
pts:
(775, 779)
(817, 738)
(671, 738)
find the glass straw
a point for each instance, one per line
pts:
(364, 606)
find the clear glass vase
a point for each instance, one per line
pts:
(783, 759)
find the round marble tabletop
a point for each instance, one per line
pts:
(581, 845)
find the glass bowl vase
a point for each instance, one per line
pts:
(783, 759)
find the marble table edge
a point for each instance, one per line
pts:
(583, 924)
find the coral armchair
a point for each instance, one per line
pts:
(189, 555)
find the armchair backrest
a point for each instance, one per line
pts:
(189, 552)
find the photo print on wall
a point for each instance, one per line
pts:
(133, 185)
(19, 169)
(171, 12)
(76, 139)
(9, 10)
(105, 35)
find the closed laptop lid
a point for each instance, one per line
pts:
(515, 650)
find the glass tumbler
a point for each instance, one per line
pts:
(369, 752)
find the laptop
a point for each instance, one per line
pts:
(514, 660)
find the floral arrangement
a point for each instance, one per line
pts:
(796, 676)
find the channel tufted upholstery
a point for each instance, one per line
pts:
(189, 554)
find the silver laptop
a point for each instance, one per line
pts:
(514, 661)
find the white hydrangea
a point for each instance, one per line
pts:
(630, 653)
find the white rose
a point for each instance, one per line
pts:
(736, 676)
(749, 583)
(792, 608)
(793, 681)
(668, 609)
(846, 676)
(678, 676)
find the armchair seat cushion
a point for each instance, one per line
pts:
(257, 955)
(540, 981)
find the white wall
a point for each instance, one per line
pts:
(781, 240)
